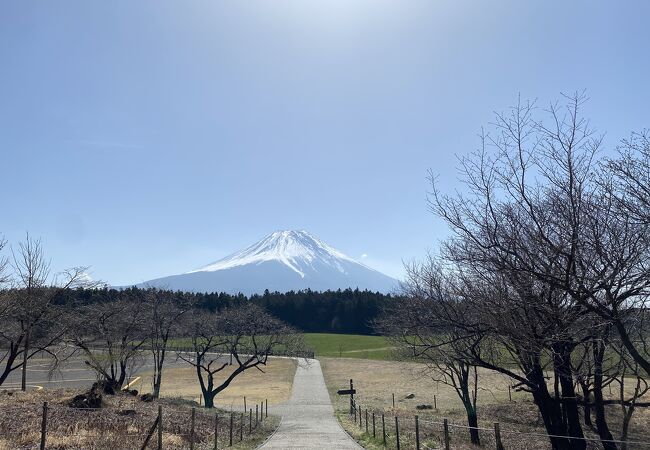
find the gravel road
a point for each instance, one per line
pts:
(308, 418)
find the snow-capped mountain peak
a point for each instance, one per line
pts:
(295, 249)
(282, 261)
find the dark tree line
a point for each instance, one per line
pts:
(349, 311)
(546, 275)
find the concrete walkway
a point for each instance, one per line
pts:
(308, 418)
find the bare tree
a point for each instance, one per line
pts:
(110, 335)
(165, 311)
(247, 333)
(32, 271)
(546, 253)
(31, 321)
(422, 324)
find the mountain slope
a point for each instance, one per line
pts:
(282, 261)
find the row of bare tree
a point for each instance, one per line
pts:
(546, 276)
(118, 336)
(117, 332)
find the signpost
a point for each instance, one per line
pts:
(351, 393)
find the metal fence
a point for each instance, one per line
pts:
(400, 431)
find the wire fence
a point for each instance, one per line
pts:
(401, 431)
(143, 427)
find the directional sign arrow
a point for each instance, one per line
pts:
(346, 391)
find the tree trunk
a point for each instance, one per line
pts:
(120, 381)
(23, 381)
(549, 408)
(208, 398)
(625, 427)
(472, 422)
(586, 394)
(562, 366)
(551, 413)
(470, 409)
(157, 380)
(599, 406)
(159, 359)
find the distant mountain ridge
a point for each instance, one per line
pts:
(282, 261)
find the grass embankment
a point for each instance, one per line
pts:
(121, 423)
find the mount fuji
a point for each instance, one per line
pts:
(282, 261)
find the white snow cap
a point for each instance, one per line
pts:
(296, 249)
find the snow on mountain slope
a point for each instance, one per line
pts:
(282, 261)
(295, 249)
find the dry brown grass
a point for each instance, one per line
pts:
(274, 384)
(122, 423)
(376, 381)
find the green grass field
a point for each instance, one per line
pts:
(336, 346)
(349, 346)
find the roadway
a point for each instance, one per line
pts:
(75, 374)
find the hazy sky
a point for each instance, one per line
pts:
(146, 138)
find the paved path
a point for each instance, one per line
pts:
(308, 418)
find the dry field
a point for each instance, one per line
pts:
(376, 381)
(274, 384)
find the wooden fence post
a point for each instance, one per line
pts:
(366, 420)
(383, 428)
(509, 393)
(497, 436)
(250, 421)
(160, 427)
(360, 418)
(192, 423)
(446, 428)
(44, 426)
(256, 413)
(149, 434)
(435, 403)
(417, 434)
(393, 400)
(267, 407)
(230, 445)
(241, 427)
(374, 435)
(216, 430)
(397, 432)
(245, 404)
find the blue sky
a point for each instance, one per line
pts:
(149, 138)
